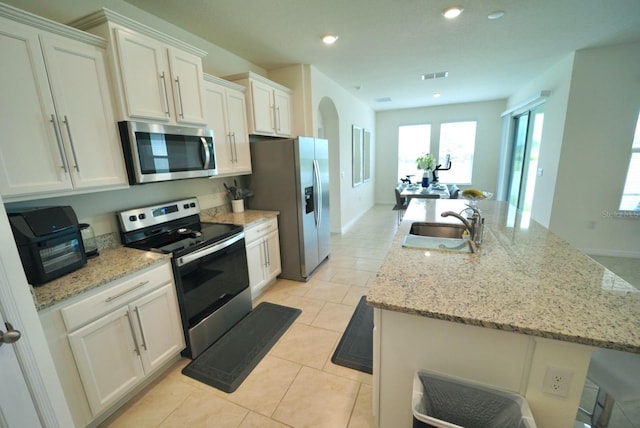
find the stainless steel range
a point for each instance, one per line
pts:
(209, 266)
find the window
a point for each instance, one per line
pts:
(459, 140)
(413, 140)
(631, 194)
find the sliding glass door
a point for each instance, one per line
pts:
(524, 161)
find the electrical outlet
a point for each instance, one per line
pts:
(557, 381)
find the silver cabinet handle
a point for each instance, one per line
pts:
(264, 253)
(73, 147)
(266, 244)
(277, 118)
(133, 334)
(56, 131)
(10, 336)
(144, 340)
(230, 135)
(166, 96)
(140, 284)
(235, 147)
(179, 96)
(275, 121)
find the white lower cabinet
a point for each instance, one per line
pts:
(117, 337)
(263, 255)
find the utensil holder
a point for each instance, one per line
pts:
(237, 205)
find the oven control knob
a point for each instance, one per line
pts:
(142, 216)
(192, 204)
(132, 218)
(185, 206)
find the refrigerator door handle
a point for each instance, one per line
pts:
(317, 192)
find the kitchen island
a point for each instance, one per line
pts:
(524, 302)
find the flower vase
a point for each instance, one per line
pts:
(425, 178)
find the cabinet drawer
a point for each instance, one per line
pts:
(114, 295)
(260, 229)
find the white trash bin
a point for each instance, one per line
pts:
(445, 402)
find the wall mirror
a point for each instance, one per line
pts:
(357, 155)
(366, 155)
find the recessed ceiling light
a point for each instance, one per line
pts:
(436, 95)
(329, 39)
(496, 14)
(452, 12)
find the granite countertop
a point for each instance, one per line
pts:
(115, 263)
(110, 265)
(244, 218)
(523, 279)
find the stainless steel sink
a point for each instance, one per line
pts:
(438, 236)
(437, 230)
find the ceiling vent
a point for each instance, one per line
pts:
(438, 75)
(383, 100)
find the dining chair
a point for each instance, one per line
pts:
(401, 204)
(617, 375)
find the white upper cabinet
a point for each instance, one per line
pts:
(56, 117)
(268, 105)
(226, 114)
(159, 78)
(159, 83)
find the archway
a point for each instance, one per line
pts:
(328, 128)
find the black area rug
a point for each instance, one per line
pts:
(226, 363)
(355, 349)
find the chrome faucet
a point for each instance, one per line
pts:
(474, 227)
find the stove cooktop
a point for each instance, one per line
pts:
(187, 239)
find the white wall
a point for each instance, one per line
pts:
(558, 80)
(354, 201)
(485, 164)
(602, 111)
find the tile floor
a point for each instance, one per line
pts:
(296, 385)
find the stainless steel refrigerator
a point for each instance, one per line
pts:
(292, 176)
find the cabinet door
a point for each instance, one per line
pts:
(82, 97)
(145, 76)
(283, 113)
(31, 152)
(216, 119)
(273, 265)
(186, 73)
(107, 358)
(256, 261)
(158, 327)
(262, 108)
(237, 115)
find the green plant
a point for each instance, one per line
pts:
(427, 162)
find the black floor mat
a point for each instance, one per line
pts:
(355, 349)
(226, 363)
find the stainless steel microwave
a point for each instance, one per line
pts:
(155, 152)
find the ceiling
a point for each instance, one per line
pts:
(385, 46)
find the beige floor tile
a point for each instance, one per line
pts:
(333, 316)
(352, 277)
(329, 291)
(354, 295)
(263, 389)
(309, 306)
(306, 345)
(153, 404)
(255, 420)
(317, 399)
(362, 416)
(204, 409)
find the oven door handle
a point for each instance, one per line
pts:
(210, 249)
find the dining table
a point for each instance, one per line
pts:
(432, 192)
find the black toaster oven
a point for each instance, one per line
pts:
(49, 242)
